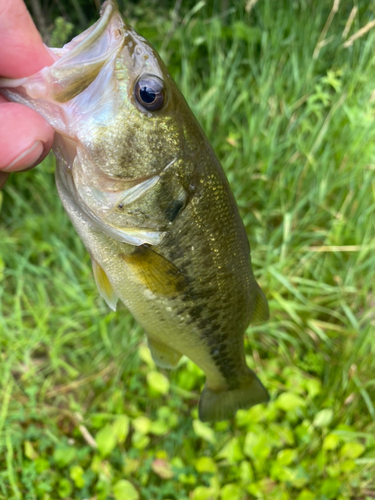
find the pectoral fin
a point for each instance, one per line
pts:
(156, 272)
(104, 285)
(163, 355)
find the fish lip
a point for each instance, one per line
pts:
(106, 13)
(108, 10)
(61, 56)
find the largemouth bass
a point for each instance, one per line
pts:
(150, 201)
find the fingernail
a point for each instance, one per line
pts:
(27, 159)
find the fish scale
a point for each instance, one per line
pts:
(150, 201)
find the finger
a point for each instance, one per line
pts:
(25, 137)
(22, 50)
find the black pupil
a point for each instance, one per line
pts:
(148, 95)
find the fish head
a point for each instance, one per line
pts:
(121, 123)
(122, 104)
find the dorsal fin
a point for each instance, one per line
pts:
(261, 310)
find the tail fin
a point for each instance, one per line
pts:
(215, 406)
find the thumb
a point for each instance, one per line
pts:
(25, 137)
(22, 50)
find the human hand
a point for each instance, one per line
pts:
(25, 137)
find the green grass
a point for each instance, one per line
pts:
(80, 416)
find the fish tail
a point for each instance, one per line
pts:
(217, 405)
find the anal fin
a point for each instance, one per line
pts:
(104, 285)
(163, 355)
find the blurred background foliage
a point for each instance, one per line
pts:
(285, 93)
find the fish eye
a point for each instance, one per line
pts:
(149, 92)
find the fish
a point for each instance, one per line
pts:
(151, 203)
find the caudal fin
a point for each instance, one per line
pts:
(215, 406)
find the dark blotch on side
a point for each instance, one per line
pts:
(173, 209)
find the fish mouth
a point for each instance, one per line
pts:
(77, 64)
(106, 12)
(80, 61)
(94, 54)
